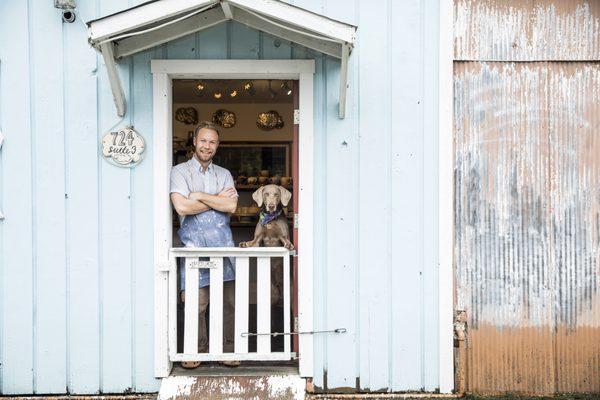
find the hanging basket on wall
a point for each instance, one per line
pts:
(224, 118)
(269, 120)
(187, 115)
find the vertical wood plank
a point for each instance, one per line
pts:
(342, 229)
(50, 345)
(242, 300)
(115, 251)
(263, 304)
(375, 168)
(115, 240)
(173, 299)
(190, 335)
(407, 102)
(244, 41)
(215, 338)
(272, 48)
(429, 20)
(82, 172)
(182, 48)
(342, 148)
(17, 226)
(286, 303)
(212, 42)
(142, 284)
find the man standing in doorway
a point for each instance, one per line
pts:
(204, 195)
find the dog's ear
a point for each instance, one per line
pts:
(286, 195)
(258, 196)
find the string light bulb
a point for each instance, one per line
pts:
(217, 95)
(233, 93)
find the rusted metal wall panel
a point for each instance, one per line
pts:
(526, 30)
(528, 224)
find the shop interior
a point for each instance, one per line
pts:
(255, 119)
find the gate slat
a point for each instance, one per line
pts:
(172, 313)
(286, 303)
(190, 338)
(215, 341)
(263, 304)
(241, 304)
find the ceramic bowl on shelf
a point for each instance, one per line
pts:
(286, 180)
(265, 173)
(252, 180)
(262, 180)
(275, 180)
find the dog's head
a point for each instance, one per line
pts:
(270, 196)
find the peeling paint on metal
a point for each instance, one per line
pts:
(520, 30)
(527, 198)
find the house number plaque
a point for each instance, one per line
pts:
(123, 147)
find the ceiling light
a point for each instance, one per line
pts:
(217, 95)
(286, 89)
(249, 87)
(233, 93)
(200, 87)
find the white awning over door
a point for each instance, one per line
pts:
(159, 21)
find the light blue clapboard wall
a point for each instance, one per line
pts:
(76, 265)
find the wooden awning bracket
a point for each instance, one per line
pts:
(107, 50)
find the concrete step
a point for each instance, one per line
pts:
(209, 382)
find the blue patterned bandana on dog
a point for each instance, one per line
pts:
(265, 218)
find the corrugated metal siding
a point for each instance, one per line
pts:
(523, 30)
(77, 310)
(528, 224)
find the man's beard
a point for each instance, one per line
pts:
(205, 157)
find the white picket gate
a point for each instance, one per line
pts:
(242, 287)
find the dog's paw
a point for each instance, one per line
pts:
(243, 244)
(289, 246)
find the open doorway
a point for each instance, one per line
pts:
(258, 146)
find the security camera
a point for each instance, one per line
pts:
(68, 16)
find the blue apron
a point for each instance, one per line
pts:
(207, 229)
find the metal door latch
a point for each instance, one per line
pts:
(275, 334)
(202, 264)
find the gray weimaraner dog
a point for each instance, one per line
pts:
(272, 230)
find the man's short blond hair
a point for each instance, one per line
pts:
(207, 125)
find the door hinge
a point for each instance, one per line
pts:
(296, 220)
(296, 117)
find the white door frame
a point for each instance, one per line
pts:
(164, 71)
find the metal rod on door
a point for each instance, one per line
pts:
(338, 330)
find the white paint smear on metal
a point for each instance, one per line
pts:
(518, 30)
(528, 193)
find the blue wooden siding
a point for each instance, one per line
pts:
(76, 264)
